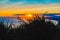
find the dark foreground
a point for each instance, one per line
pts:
(37, 29)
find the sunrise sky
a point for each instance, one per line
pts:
(10, 7)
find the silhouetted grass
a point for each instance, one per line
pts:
(36, 29)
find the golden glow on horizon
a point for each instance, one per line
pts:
(30, 9)
(27, 17)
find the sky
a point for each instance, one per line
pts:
(10, 7)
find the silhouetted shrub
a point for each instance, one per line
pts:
(2, 30)
(36, 29)
(39, 29)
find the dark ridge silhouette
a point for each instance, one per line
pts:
(37, 29)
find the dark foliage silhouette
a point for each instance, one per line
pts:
(2, 31)
(36, 29)
(40, 29)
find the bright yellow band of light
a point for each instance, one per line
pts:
(9, 11)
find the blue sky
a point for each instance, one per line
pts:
(27, 2)
(30, 1)
(35, 1)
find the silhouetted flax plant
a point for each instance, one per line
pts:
(36, 29)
